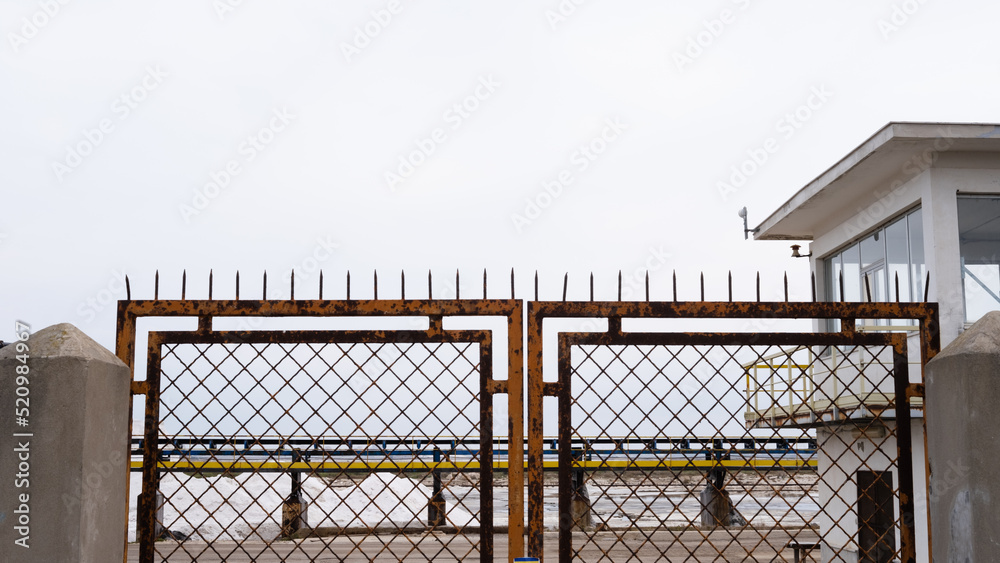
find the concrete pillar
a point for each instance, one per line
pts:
(962, 401)
(64, 457)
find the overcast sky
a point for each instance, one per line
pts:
(556, 136)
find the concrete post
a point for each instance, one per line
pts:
(963, 401)
(64, 451)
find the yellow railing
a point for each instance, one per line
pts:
(784, 384)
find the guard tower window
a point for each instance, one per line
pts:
(979, 248)
(871, 266)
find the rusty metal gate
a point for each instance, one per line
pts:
(361, 444)
(752, 445)
(626, 494)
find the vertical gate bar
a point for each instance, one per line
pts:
(515, 434)
(566, 521)
(486, 449)
(930, 345)
(146, 507)
(904, 443)
(125, 350)
(536, 474)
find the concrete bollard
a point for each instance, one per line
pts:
(436, 508)
(294, 511)
(582, 514)
(962, 395)
(159, 531)
(64, 460)
(583, 518)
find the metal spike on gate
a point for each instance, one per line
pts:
(675, 286)
(348, 285)
(897, 287)
(842, 297)
(536, 285)
(292, 286)
(813, 276)
(375, 282)
(702, 286)
(210, 272)
(868, 289)
(565, 285)
(512, 283)
(184, 281)
(591, 286)
(237, 285)
(402, 285)
(265, 286)
(786, 287)
(156, 286)
(619, 285)
(730, 286)
(458, 284)
(128, 289)
(758, 286)
(430, 285)
(647, 286)
(927, 286)
(321, 284)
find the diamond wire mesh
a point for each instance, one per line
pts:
(646, 504)
(268, 397)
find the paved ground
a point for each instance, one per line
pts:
(691, 545)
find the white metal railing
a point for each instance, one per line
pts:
(785, 383)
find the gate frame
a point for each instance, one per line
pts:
(129, 311)
(926, 315)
